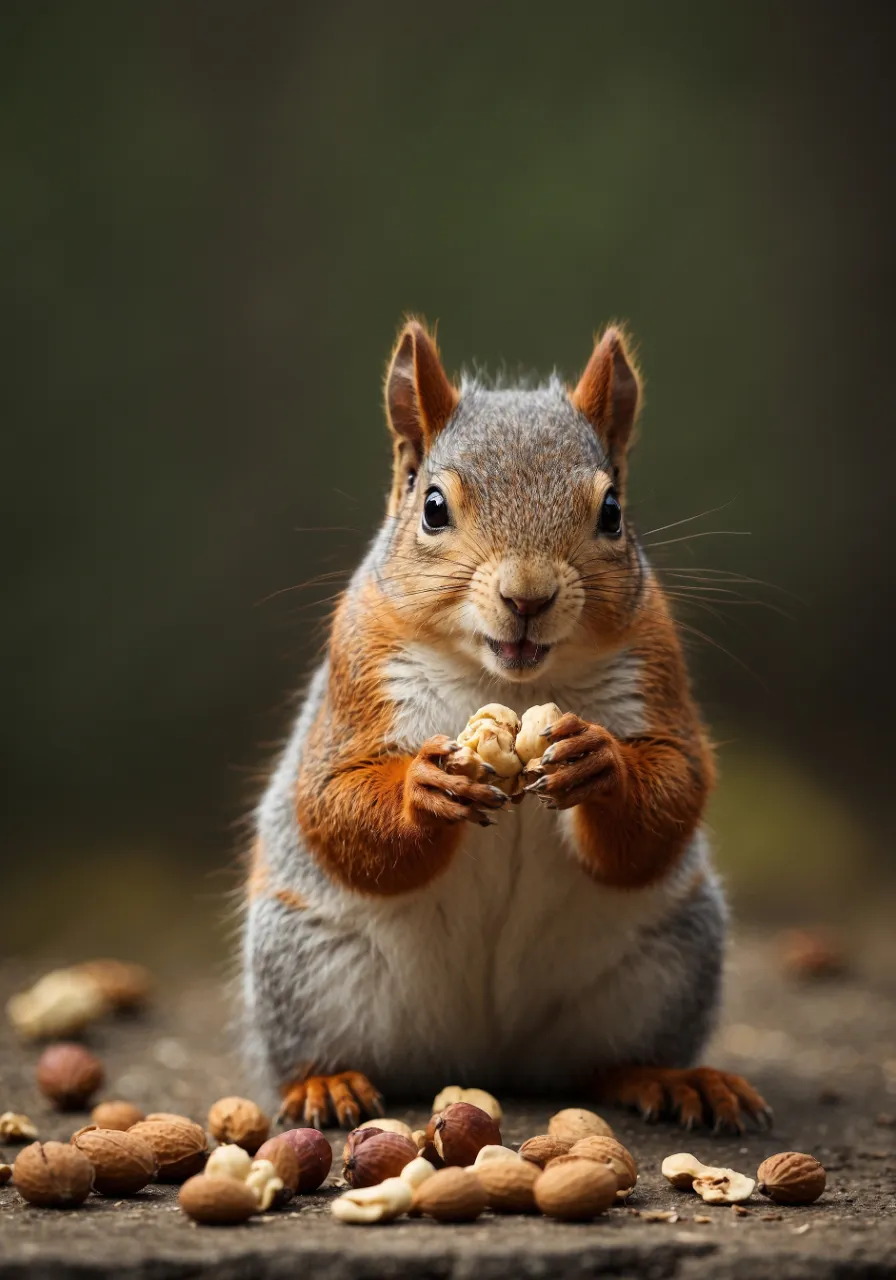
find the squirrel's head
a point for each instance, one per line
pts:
(509, 540)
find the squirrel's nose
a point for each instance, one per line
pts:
(529, 606)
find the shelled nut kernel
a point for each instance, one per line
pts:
(264, 1181)
(543, 1148)
(380, 1203)
(16, 1128)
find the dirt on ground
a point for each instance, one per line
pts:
(823, 1053)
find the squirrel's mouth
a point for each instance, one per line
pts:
(518, 655)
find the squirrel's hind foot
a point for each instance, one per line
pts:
(348, 1096)
(694, 1096)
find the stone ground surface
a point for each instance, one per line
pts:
(824, 1054)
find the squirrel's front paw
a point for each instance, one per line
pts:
(449, 782)
(582, 763)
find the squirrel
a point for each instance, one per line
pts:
(406, 923)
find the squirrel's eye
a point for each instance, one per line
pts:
(435, 511)
(610, 519)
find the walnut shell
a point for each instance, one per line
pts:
(124, 985)
(116, 1115)
(510, 1185)
(451, 1195)
(374, 1159)
(791, 1177)
(239, 1120)
(123, 1163)
(530, 742)
(220, 1201)
(461, 1131)
(574, 1123)
(543, 1148)
(286, 1165)
(314, 1154)
(68, 1074)
(53, 1174)
(180, 1146)
(612, 1153)
(575, 1190)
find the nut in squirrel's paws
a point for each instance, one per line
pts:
(490, 733)
(447, 780)
(580, 763)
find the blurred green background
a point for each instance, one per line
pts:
(214, 217)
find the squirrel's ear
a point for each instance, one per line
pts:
(608, 394)
(419, 397)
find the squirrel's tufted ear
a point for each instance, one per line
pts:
(608, 394)
(419, 397)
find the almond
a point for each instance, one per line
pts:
(180, 1146)
(574, 1123)
(53, 1174)
(239, 1120)
(123, 1163)
(68, 1074)
(451, 1195)
(791, 1177)
(510, 1185)
(543, 1148)
(219, 1201)
(575, 1190)
(116, 1115)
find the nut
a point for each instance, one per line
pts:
(374, 1159)
(286, 1163)
(229, 1161)
(123, 1162)
(543, 1148)
(61, 1003)
(575, 1190)
(493, 1152)
(381, 1203)
(612, 1153)
(419, 1138)
(575, 1123)
(314, 1154)
(124, 985)
(530, 742)
(389, 1126)
(811, 954)
(266, 1184)
(68, 1074)
(116, 1115)
(5, 1173)
(510, 1185)
(416, 1173)
(180, 1146)
(682, 1169)
(222, 1201)
(477, 1097)
(239, 1120)
(715, 1186)
(16, 1128)
(53, 1174)
(791, 1178)
(491, 732)
(451, 1195)
(461, 1131)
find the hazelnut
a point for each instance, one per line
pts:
(5, 1173)
(389, 1126)
(543, 1148)
(575, 1190)
(416, 1172)
(574, 1123)
(451, 1195)
(229, 1161)
(239, 1120)
(53, 1174)
(68, 1074)
(374, 1159)
(219, 1201)
(493, 1152)
(123, 1163)
(510, 1185)
(461, 1131)
(382, 1203)
(356, 1137)
(124, 985)
(612, 1153)
(16, 1128)
(791, 1178)
(477, 1097)
(286, 1164)
(180, 1146)
(314, 1154)
(265, 1183)
(61, 1003)
(530, 740)
(116, 1115)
